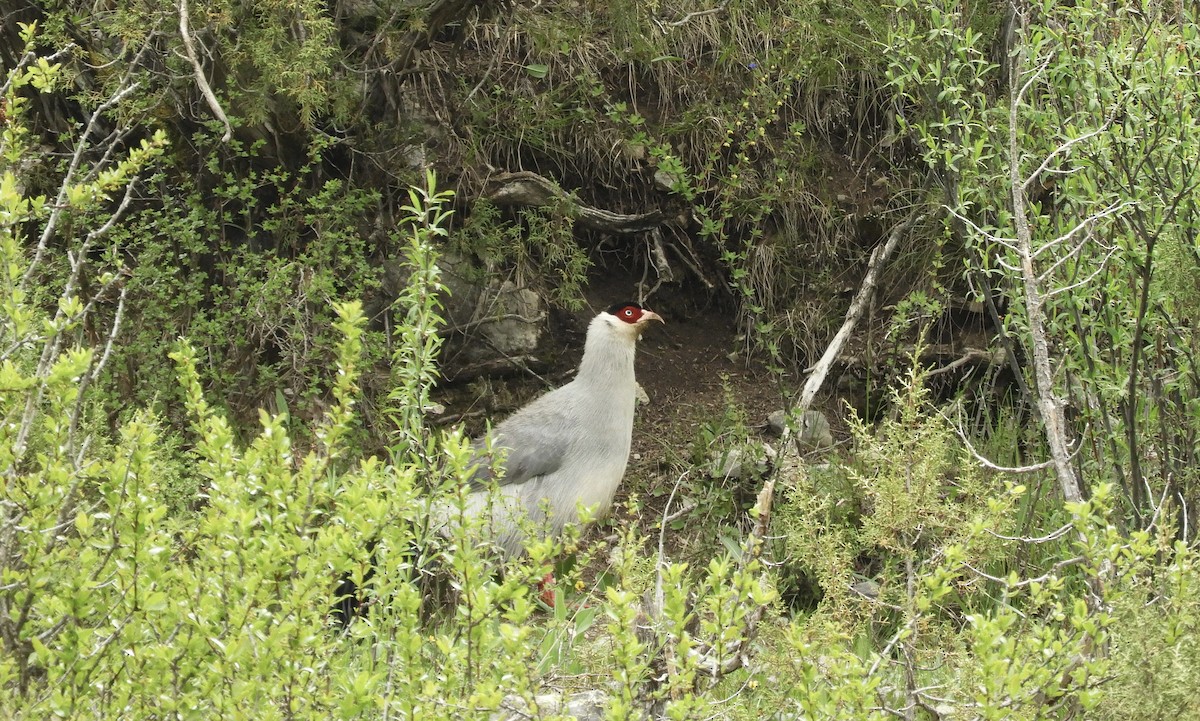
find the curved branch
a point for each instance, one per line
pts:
(202, 82)
(532, 190)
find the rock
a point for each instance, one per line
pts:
(584, 706)
(812, 432)
(517, 327)
(456, 272)
(740, 464)
(664, 180)
(777, 423)
(643, 399)
(867, 588)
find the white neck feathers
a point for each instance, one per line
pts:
(607, 353)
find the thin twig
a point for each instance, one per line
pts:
(664, 24)
(971, 354)
(987, 463)
(60, 201)
(1052, 536)
(1063, 149)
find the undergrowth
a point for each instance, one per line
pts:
(177, 555)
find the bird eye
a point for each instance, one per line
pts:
(629, 312)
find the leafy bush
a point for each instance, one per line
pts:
(147, 572)
(112, 605)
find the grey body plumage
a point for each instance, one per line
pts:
(569, 448)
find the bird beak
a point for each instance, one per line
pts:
(648, 316)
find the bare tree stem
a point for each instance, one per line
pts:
(1049, 404)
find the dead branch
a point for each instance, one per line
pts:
(495, 368)
(1061, 150)
(866, 293)
(985, 462)
(662, 268)
(529, 189)
(971, 355)
(206, 90)
(666, 25)
(60, 201)
(751, 550)
(1052, 536)
(434, 16)
(1048, 402)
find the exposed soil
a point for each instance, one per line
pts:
(686, 369)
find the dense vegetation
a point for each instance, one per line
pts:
(227, 231)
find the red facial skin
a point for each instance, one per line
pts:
(630, 313)
(634, 314)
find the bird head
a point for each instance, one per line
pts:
(629, 318)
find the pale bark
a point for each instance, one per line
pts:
(185, 33)
(862, 300)
(1050, 406)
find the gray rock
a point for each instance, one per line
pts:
(583, 706)
(517, 327)
(867, 588)
(643, 399)
(664, 180)
(740, 464)
(777, 423)
(459, 302)
(812, 431)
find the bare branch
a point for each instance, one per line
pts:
(891, 644)
(1006, 265)
(1065, 563)
(662, 540)
(112, 334)
(529, 188)
(28, 58)
(983, 460)
(684, 508)
(1082, 225)
(662, 267)
(1052, 536)
(198, 71)
(1100, 268)
(665, 25)
(97, 233)
(866, 293)
(971, 355)
(77, 411)
(60, 201)
(1033, 76)
(1048, 403)
(1060, 150)
(974, 227)
(688, 256)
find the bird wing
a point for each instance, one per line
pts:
(534, 444)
